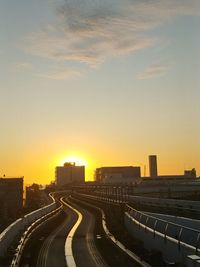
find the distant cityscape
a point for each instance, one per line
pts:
(70, 173)
(12, 193)
(112, 185)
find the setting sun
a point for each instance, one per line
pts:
(79, 161)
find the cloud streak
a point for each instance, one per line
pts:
(90, 31)
(154, 71)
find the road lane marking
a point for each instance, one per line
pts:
(68, 243)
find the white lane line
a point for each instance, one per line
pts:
(68, 243)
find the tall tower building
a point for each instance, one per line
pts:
(153, 166)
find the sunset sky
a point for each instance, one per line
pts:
(107, 81)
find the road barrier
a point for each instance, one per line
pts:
(29, 232)
(18, 227)
(175, 242)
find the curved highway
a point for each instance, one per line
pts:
(84, 248)
(85, 253)
(52, 252)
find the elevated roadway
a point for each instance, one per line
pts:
(84, 247)
(176, 241)
(52, 252)
(85, 253)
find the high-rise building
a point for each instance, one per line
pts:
(153, 166)
(11, 191)
(70, 173)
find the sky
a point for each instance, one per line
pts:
(106, 81)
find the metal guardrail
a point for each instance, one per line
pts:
(176, 231)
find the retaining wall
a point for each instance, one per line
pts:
(17, 227)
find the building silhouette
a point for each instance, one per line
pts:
(69, 173)
(153, 166)
(117, 174)
(190, 173)
(11, 195)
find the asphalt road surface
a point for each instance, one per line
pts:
(52, 252)
(85, 253)
(84, 248)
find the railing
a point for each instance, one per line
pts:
(180, 233)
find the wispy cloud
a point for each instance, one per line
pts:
(154, 71)
(90, 31)
(62, 74)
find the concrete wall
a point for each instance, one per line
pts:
(11, 232)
